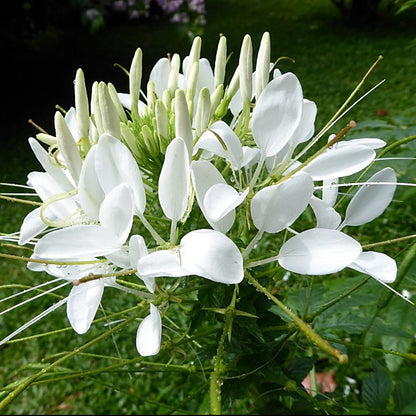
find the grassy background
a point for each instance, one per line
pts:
(329, 61)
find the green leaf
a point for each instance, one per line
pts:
(377, 388)
(404, 391)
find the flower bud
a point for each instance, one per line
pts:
(216, 99)
(194, 56)
(135, 79)
(162, 122)
(151, 95)
(95, 110)
(246, 69)
(116, 101)
(262, 65)
(220, 61)
(110, 120)
(175, 64)
(203, 111)
(129, 139)
(82, 109)
(183, 127)
(193, 72)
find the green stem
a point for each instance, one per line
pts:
(303, 326)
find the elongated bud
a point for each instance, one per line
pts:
(191, 85)
(135, 80)
(220, 62)
(46, 138)
(246, 69)
(194, 54)
(95, 110)
(262, 65)
(82, 110)
(234, 84)
(203, 111)
(182, 122)
(110, 120)
(68, 147)
(167, 98)
(162, 121)
(151, 95)
(149, 141)
(175, 64)
(216, 99)
(129, 138)
(116, 101)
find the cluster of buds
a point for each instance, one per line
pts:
(196, 177)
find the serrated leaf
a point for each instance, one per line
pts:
(377, 388)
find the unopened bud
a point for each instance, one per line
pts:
(162, 122)
(246, 69)
(183, 127)
(129, 138)
(220, 62)
(175, 64)
(203, 111)
(116, 101)
(135, 80)
(95, 110)
(262, 65)
(82, 110)
(109, 116)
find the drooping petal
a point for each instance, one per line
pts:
(90, 193)
(165, 263)
(276, 207)
(77, 242)
(82, 305)
(377, 265)
(250, 156)
(116, 212)
(318, 251)
(325, 214)
(174, 180)
(137, 250)
(370, 201)
(114, 165)
(149, 333)
(221, 199)
(277, 113)
(221, 140)
(339, 162)
(306, 126)
(211, 254)
(32, 225)
(204, 175)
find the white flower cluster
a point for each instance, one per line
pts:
(191, 146)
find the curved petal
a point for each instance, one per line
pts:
(114, 165)
(137, 250)
(370, 201)
(116, 212)
(149, 333)
(326, 216)
(371, 143)
(221, 199)
(77, 242)
(377, 265)
(174, 180)
(211, 254)
(277, 113)
(318, 251)
(160, 76)
(339, 162)
(276, 207)
(90, 193)
(204, 175)
(32, 225)
(82, 305)
(161, 263)
(306, 127)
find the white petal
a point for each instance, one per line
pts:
(137, 250)
(370, 201)
(339, 162)
(250, 156)
(83, 303)
(120, 258)
(306, 126)
(77, 242)
(221, 199)
(149, 333)
(368, 142)
(160, 76)
(90, 193)
(174, 180)
(276, 207)
(329, 191)
(277, 113)
(32, 225)
(116, 212)
(204, 175)
(211, 254)
(377, 265)
(318, 251)
(326, 216)
(114, 165)
(161, 263)
(221, 140)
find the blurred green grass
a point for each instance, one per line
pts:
(329, 60)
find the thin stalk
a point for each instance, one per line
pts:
(303, 326)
